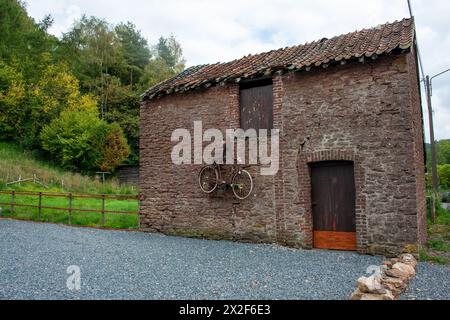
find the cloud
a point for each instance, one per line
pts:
(212, 31)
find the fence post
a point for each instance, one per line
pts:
(12, 201)
(40, 207)
(70, 208)
(139, 198)
(103, 210)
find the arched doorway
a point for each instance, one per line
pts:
(333, 205)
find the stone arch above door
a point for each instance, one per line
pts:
(307, 158)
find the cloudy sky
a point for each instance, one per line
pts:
(212, 31)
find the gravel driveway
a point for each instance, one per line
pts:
(130, 265)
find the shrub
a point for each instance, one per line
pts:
(444, 175)
(114, 149)
(79, 140)
(74, 139)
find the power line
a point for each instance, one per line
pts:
(427, 82)
(422, 70)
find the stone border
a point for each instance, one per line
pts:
(389, 281)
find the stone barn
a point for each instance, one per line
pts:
(351, 172)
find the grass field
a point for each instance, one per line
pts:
(437, 249)
(15, 163)
(112, 220)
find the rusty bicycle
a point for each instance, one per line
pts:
(240, 180)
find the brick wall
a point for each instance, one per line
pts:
(367, 113)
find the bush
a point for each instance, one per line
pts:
(74, 139)
(79, 140)
(444, 175)
(114, 149)
(446, 197)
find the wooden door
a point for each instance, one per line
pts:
(257, 107)
(333, 204)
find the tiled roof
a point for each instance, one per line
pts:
(365, 43)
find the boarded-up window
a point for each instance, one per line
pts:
(256, 101)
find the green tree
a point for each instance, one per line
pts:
(74, 139)
(80, 140)
(169, 50)
(168, 61)
(443, 151)
(444, 175)
(12, 97)
(21, 38)
(96, 56)
(95, 66)
(26, 107)
(135, 51)
(156, 71)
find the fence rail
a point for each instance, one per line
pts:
(12, 204)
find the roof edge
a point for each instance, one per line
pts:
(160, 89)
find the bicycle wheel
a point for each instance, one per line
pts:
(242, 184)
(208, 179)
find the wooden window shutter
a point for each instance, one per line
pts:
(256, 106)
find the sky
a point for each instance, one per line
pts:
(219, 31)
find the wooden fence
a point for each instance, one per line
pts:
(12, 204)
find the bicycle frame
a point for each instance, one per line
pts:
(234, 170)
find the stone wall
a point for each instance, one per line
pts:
(367, 113)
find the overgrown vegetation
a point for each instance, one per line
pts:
(75, 99)
(437, 248)
(425, 256)
(16, 162)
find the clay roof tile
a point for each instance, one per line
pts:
(379, 40)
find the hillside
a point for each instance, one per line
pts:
(16, 162)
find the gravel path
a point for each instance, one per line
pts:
(132, 265)
(431, 283)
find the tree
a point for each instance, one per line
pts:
(12, 97)
(167, 63)
(74, 139)
(135, 51)
(169, 50)
(443, 152)
(156, 71)
(96, 68)
(27, 107)
(79, 140)
(444, 175)
(125, 111)
(114, 149)
(21, 38)
(96, 56)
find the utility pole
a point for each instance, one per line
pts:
(429, 92)
(435, 177)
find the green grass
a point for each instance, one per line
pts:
(114, 221)
(16, 162)
(424, 256)
(439, 245)
(443, 216)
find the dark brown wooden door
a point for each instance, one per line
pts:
(333, 204)
(257, 107)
